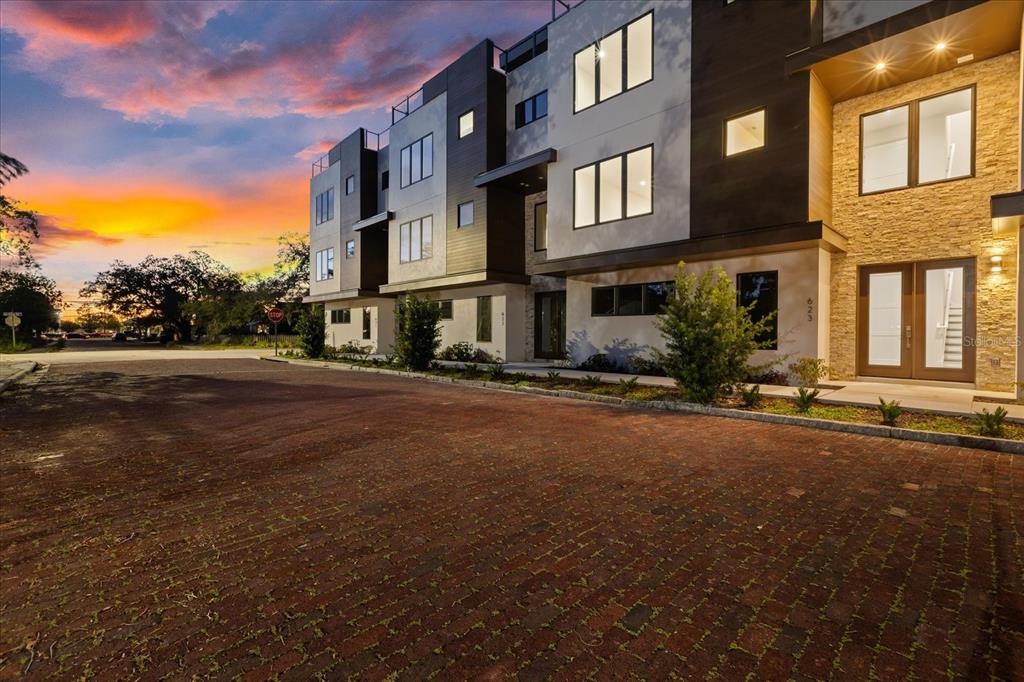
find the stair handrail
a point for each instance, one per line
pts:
(947, 303)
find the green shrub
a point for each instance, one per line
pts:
(645, 366)
(751, 397)
(419, 332)
(709, 339)
(312, 331)
(590, 381)
(991, 423)
(891, 411)
(329, 352)
(553, 375)
(521, 377)
(483, 357)
(496, 372)
(462, 351)
(598, 362)
(627, 385)
(809, 371)
(805, 398)
(470, 368)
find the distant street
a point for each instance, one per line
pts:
(104, 350)
(170, 518)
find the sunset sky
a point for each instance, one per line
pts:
(159, 127)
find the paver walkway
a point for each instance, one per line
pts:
(237, 517)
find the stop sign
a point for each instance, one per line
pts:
(275, 315)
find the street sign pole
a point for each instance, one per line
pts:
(12, 319)
(276, 315)
(275, 339)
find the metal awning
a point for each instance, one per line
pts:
(526, 175)
(382, 217)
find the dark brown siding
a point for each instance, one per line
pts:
(350, 158)
(373, 257)
(739, 66)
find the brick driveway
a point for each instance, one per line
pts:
(253, 519)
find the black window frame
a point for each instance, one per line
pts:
(535, 207)
(327, 256)
(597, 64)
(353, 243)
(725, 132)
(447, 309)
(367, 324)
(325, 206)
(624, 184)
(350, 184)
(385, 179)
(646, 306)
(341, 316)
(529, 105)
(458, 124)
(773, 335)
(401, 180)
(458, 214)
(409, 224)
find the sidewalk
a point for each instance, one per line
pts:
(14, 370)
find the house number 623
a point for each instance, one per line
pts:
(810, 310)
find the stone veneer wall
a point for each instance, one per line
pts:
(945, 220)
(537, 282)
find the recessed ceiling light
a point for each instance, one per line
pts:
(940, 46)
(880, 66)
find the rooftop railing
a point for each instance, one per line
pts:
(377, 141)
(408, 105)
(321, 164)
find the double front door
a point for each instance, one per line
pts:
(916, 320)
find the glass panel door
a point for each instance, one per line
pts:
(944, 305)
(884, 321)
(549, 325)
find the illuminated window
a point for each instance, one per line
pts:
(884, 158)
(466, 124)
(620, 61)
(614, 188)
(744, 133)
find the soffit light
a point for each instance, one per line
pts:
(940, 46)
(880, 66)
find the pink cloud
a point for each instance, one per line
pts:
(53, 236)
(153, 61)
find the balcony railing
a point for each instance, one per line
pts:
(377, 141)
(407, 106)
(321, 164)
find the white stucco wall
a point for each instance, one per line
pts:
(526, 81)
(382, 324)
(656, 112)
(508, 312)
(803, 308)
(326, 234)
(426, 197)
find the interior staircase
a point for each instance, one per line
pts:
(954, 350)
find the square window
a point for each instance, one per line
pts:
(884, 154)
(350, 184)
(446, 309)
(350, 248)
(466, 214)
(602, 301)
(760, 292)
(466, 124)
(744, 133)
(629, 300)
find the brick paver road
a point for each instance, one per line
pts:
(229, 518)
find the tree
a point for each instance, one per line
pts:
(90, 319)
(419, 332)
(292, 266)
(18, 227)
(26, 294)
(709, 338)
(161, 287)
(312, 330)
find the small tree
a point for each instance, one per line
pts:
(709, 337)
(419, 332)
(312, 330)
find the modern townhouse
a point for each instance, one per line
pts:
(854, 165)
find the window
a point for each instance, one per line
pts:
(620, 61)
(614, 188)
(350, 184)
(466, 214)
(325, 206)
(466, 124)
(366, 323)
(343, 316)
(531, 109)
(415, 239)
(942, 146)
(540, 227)
(385, 177)
(350, 248)
(446, 309)
(630, 299)
(483, 318)
(744, 133)
(417, 160)
(324, 264)
(761, 291)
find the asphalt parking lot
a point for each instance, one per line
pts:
(235, 517)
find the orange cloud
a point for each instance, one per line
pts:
(95, 22)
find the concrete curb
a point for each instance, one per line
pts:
(19, 374)
(932, 437)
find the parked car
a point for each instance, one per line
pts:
(119, 336)
(77, 335)
(165, 337)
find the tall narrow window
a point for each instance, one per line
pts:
(416, 174)
(584, 195)
(483, 318)
(324, 264)
(417, 160)
(466, 124)
(406, 165)
(885, 137)
(540, 227)
(945, 133)
(384, 178)
(619, 61)
(350, 184)
(366, 323)
(639, 169)
(610, 190)
(428, 156)
(427, 236)
(760, 292)
(350, 248)
(744, 133)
